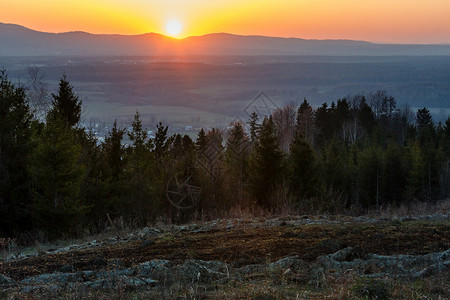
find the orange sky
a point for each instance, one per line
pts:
(396, 21)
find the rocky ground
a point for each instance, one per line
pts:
(298, 257)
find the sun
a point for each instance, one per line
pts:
(173, 28)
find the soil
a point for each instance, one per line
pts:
(247, 243)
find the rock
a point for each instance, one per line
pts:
(378, 266)
(433, 269)
(251, 271)
(157, 268)
(331, 245)
(66, 268)
(5, 281)
(290, 268)
(146, 244)
(55, 278)
(47, 288)
(116, 263)
(293, 263)
(146, 231)
(199, 271)
(97, 262)
(11, 257)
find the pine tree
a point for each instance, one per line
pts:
(200, 142)
(140, 169)
(427, 138)
(15, 147)
(335, 175)
(57, 177)
(324, 122)
(113, 152)
(305, 121)
(416, 180)
(111, 184)
(66, 104)
(254, 126)
(366, 116)
(370, 176)
(395, 176)
(236, 158)
(266, 165)
(302, 169)
(160, 141)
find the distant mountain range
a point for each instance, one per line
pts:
(16, 40)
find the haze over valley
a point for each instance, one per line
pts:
(210, 80)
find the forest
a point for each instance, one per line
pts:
(347, 156)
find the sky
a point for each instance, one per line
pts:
(387, 21)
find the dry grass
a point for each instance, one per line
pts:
(411, 209)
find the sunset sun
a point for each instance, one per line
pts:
(173, 28)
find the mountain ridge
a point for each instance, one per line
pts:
(18, 40)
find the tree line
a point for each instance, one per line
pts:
(361, 152)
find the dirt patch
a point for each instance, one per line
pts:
(247, 244)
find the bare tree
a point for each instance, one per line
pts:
(284, 119)
(37, 93)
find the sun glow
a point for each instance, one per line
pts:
(404, 20)
(173, 28)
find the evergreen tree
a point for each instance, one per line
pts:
(427, 138)
(371, 177)
(236, 157)
(201, 141)
(57, 177)
(112, 179)
(15, 147)
(177, 147)
(366, 116)
(302, 169)
(395, 175)
(113, 152)
(324, 120)
(160, 141)
(254, 126)
(416, 180)
(66, 104)
(305, 121)
(335, 173)
(342, 113)
(266, 165)
(140, 171)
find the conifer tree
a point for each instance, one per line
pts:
(57, 177)
(266, 165)
(15, 147)
(66, 104)
(237, 159)
(140, 171)
(254, 127)
(395, 176)
(160, 141)
(200, 142)
(370, 176)
(113, 151)
(302, 168)
(305, 121)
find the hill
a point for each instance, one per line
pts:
(17, 40)
(283, 258)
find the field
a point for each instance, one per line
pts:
(291, 257)
(212, 91)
